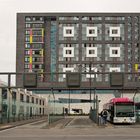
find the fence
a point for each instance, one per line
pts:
(94, 111)
(55, 109)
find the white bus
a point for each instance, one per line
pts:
(121, 110)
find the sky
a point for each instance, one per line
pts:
(9, 8)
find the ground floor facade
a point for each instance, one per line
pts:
(80, 103)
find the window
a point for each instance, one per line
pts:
(43, 102)
(26, 66)
(68, 31)
(32, 99)
(28, 19)
(34, 18)
(27, 52)
(69, 18)
(14, 95)
(40, 102)
(114, 32)
(37, 52)
(36, 101)
(27, 99)
(37, 39)
(37, 46)
(91, 51)
(28, 25)
(21, 97)
(27, 39)
(27, 45)
(68, 52)
(4, 94)
(114, 52)
(91, 32)
(114, 69)
(41, 18)
(37, 25)
(26, 59)
(36, 66)
(27, 32)
(67, 70)
(92, 18)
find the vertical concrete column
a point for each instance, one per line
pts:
(9, 103)
(18, 103)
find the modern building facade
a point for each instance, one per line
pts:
(19, 104)
(60, 42)
(78, 42)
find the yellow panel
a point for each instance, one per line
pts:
(136, 67)
(42, 32)
(31, 39)
(30, 60)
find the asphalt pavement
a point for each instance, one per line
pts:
(71, 131)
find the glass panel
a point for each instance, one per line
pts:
(55, 108)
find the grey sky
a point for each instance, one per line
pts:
(9, 8)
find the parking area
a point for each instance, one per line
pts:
(81, 121)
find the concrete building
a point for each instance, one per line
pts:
(79, 42)
(19, 104)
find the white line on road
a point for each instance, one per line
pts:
(7, 129)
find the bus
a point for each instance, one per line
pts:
(121, 110)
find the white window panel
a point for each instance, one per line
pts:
(114, 69)
(93, 69)
(91, 51)
(68, 52)
(67, 70)
(68, 31)
(114, 51)
(91, 31)
(114, 32)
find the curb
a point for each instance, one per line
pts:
(4, 127)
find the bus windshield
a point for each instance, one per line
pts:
(124, 110)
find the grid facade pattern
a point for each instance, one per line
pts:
(60, 42)
(34, 45)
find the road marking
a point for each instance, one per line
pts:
(7, 129)
(14, 127)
